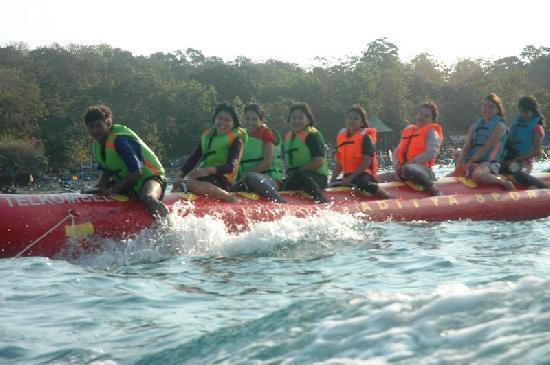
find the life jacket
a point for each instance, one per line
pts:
(111, 162)
(253, 154)
(413, 142)
(480, 136)
(215, 148)
(521, 137)
(350, 150)
(297, 153)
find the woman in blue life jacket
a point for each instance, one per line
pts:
(305, 154)
(128, 165)
(524, 143)
(356, 154)
(212, 167)
(482, 153)
(260, 166)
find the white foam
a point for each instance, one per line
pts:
(208, 236)
(495, 319)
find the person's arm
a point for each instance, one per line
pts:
(537, 145)
(187, 166)
(368, 151)
(104, 179)
(233, 159)
(336, 170)
(497, 134)
(465, 149)
(130, 152)
(395, 160)
(433, 143)
(267, 152)
(317, 151)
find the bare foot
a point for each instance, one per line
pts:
(508, 185)
(231, 199)
(435, 191)
(383, 194)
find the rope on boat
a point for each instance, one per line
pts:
(70, 215)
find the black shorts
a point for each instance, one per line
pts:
(219, 180)
(365, 182)
(130, 192)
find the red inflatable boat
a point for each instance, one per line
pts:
(41, 224)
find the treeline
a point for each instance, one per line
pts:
(168, 98)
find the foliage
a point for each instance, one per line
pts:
(168, 98)
(18, 157)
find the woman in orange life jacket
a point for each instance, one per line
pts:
(128, 165)
(524, 143)
(213, 164)
(305, 154)
(481, 155)
(356, 154)
(416, 154)
(260, 166)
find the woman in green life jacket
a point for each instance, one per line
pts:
(128, 165)
(260, 167)
(212, 167)
(305, 154)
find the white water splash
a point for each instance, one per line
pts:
(498, 320)
(208, 236)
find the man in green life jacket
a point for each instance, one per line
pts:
(128, 165)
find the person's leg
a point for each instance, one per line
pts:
(151, 194)
(367, 183)
(528, 180)
(483, 175)
(389, 176)
(209, 189)
(263, 185)
(310, 183)
(422, 176)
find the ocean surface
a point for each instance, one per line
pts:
(330, 289)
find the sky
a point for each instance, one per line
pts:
(288, 30)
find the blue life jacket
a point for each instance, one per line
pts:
(521, 137)
(482, 132)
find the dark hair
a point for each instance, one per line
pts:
(304, 107)
(432, 107)
(529, 103)
(256, 109)
(362, 112)
(224, 106)
(496, 100)
(97, 112)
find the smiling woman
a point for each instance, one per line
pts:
(211, 169)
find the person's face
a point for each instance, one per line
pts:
(488, 109)
(224, 122)
(298, 120)
(424, 116)
(99, 129)
(252, 120)
(354, 121)
(526, 115)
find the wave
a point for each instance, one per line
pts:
(208, 236)
(503, 322)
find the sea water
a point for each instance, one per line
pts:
(329, 289)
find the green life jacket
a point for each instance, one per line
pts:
(253, 155)
(114, 164)
(215, 148)
(297, 153)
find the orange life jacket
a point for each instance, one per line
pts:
(413, 142)
(350, 150)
